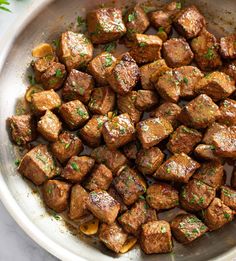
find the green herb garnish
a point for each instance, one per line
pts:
(163, 230)
(108, 61)
(227, 216)
(178, 5)
(185, 80)
(32, 79)
(59, 73)
(210, 54)
(80, 21)
(161, 30)
(56, 43)
(110, 47)
(132, 17)
(82, 113)
(2, 7)
(142, 197)
(74, 166)
(142, 44)
(17, 162)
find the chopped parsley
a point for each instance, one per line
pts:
(201, 200)
(142, 197)
(100, 123)
(56, 43)
(56, 216)
(142, 44)
(108, 61)
(59, 73)
(17, 162)
(67, 145)
(32, 79)
(75, 166)
(195, 231)
(168, 170)
(161, 30)
(132, 17)
(212, 147)
(110, 47)
(178, 5)
(4, 8)
(122, 130)
(185, 80)
(82, 113)
(227, 216)
(80, 21)
(210, 54)
(82, 54)
(163, 230)
(81, 90)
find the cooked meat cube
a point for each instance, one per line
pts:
(152, 131)
(146, 100)
(77, 168)
(170, 111)
(228, 46)
(100, 65)
(230, 69)
(210, 173)
(177, 52)
(173, 8)
(129, 185)
(22, 128)
(233, 179)
(211, 130)
(45, 100)
(228, 197)
(112, 236)
(217, 215)
(201, 112)
(151, 72)
(105, 25)
(139, 214)
(112, 191)
(78, 86)
(74, 113)
(126, 104)
(156, 237)
(49, 126)
(162, 196)
(131, 150)
(184, 139)
(160, 19)
(75, 50)
(113, 159)
(101, 178)
(187, 227)
(124, 74)
(216, 85)
(91, 133)
(118, 131)
(102, 100)
(136, 21)
(178, 168)
(66, 146)
(103, 206)
(146, 48)
(227, 112)
(205, 48)
(189, 22)
(56, 194)
(78, 198)
(196, 195)
(148, 160)
(206, 152)
(38, 165)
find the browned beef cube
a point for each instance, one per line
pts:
(38, 165)
(189, 22)
(228, 46)
(129, 185)
(103, 206)
(75, 50)
(216, 85)
(91, 133)
(146, 100)
(124, 74)
(152, 131)
(227, 112)
(162, 196)
(74, 113)
(113, 159)
(217, 215)
(101, 178)
(102, 100)
(205, 48)
(156, 237)
(228, 197)
(184, 139)
(201, 112)
(112, 236)
(105, 25)
(178, 168)
(210, 173)
(148, 160)
(131, 150)
(146, 48)
(160, 19)
(177, 52)
(139, 214)
(151, 72)
(22, 128)
(56, 194)
(126, 104)
(187, 227)
(173, 8)
(45, 100)
(196, 195)
(230, 69)
(77, 168)
(211, 130)
(78, 198)
(112, 191)
(206, 152)
(78, 86)
(49, 126)
(100, 65)
(118, 131)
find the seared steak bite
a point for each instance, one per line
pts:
(196, 195)
(124, 74)
(228, 197)
(103, 206)
(206, 152)
(105, 25)
(112, 191)
(77, 168)
(161, 20)
(22, 128)
(187, 227)
(211, 130)
(156, 237)
(178, 168)
(75, 50)
(131, 149)
(228, 46)
(230, 69)
(227, 112)
(38, 165)
(56, 194)
(146, 100)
